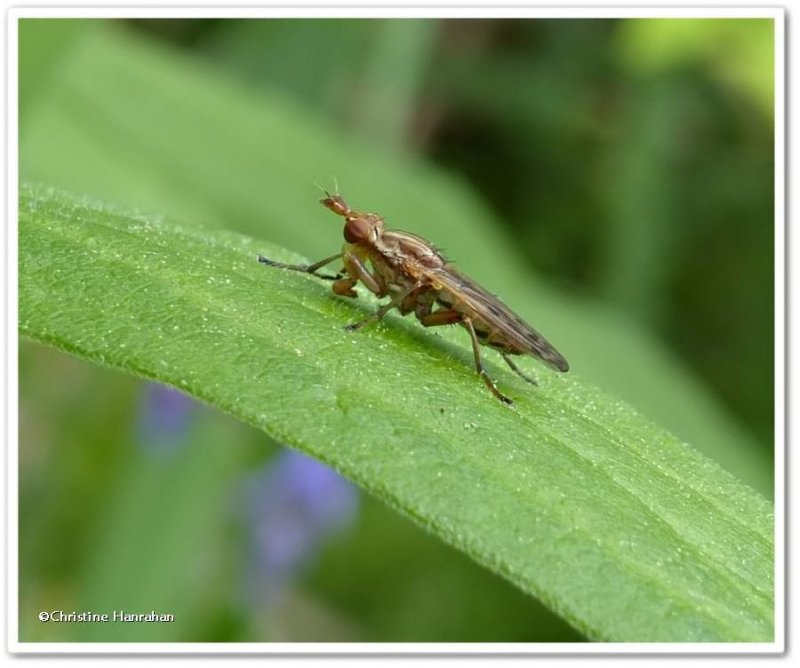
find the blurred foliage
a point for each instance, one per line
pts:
(737, 52)
(629, 161)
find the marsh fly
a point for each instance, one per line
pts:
(418, 279)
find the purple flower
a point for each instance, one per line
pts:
(164, 418)
(296, 504)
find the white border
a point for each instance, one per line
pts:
(399, 10)
(12, 343)
(363, 10)
(780, 470)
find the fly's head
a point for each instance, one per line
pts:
(360, 228)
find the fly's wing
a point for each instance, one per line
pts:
(473, 298)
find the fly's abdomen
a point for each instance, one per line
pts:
(488, 334)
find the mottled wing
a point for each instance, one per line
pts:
(474, 300)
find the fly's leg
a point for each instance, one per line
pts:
(356, 271)
(476, 349)
(440, 317)
(383, 310)
(451, 316)
(517, 370)
(305, 268)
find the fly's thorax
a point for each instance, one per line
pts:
(395, 276)
(407, 250)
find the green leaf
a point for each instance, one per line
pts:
(145, 126)
(620, 528)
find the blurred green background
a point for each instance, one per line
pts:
(626, 165)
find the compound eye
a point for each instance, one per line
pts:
(356, 230)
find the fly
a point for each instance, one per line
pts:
(417, 278)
